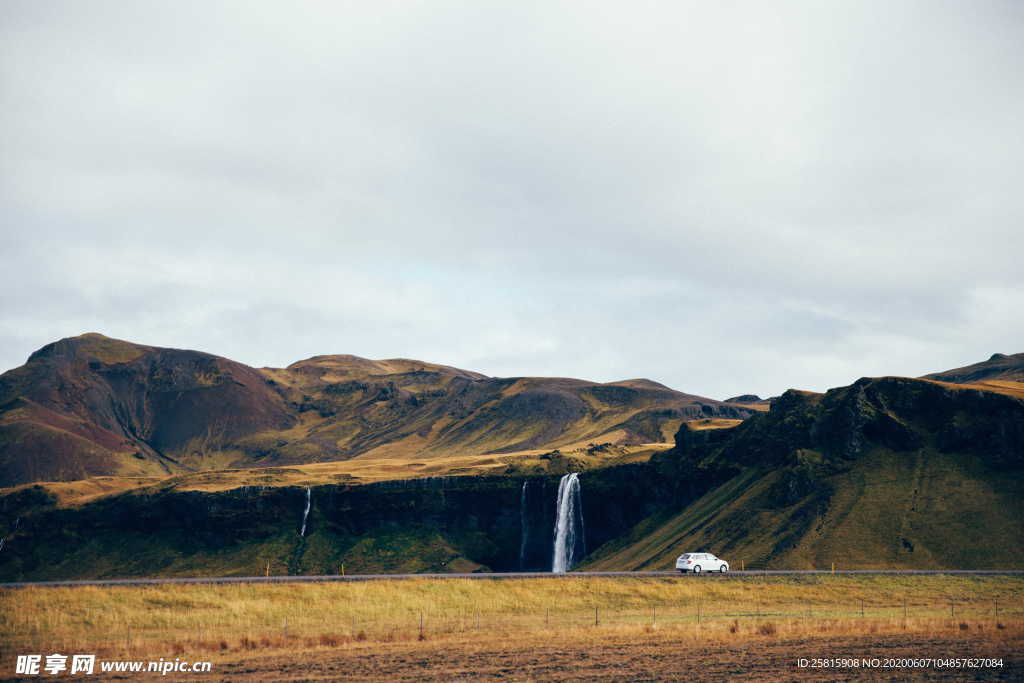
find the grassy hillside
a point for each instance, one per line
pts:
(401, 409)
(886, 473)
(1001, 373)
(93, 406)
(1000, 367)
(925, 510)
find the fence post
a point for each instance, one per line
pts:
(951, 609)
(862, 608)
(421, 625)
(546, 614)
(284, 628)
(595, 616)
(654, 615)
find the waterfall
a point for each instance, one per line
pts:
(568, 523)
(305, 513)
(523, 526)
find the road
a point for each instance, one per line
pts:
(503, 575)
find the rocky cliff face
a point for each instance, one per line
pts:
(896, 413)
(808, 438)
(434, 525)
(887, 472)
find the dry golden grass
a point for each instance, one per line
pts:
(361, 470)
(110, 350)
(155, 620)
(83, 491)
(1007, 387)
(712, 423)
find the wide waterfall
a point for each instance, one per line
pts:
(524, 528)
(568, 524)
(305, 513)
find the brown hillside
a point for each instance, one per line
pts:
(999, 367)
(90, 405)
(1001, 374)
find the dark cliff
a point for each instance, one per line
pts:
(886, 472)
(431, 525)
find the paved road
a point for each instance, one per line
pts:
(504, 575)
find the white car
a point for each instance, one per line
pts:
(701, 562)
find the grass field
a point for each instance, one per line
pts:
(216, 620)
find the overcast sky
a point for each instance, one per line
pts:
(726, 197)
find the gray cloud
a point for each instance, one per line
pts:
(724, 198)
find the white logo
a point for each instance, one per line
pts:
(28, 664)
(83, 664)
(56, 663)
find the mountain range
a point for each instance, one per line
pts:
(92, 406)
(128, 460)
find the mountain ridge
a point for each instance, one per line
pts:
(95, 406)
(1000, 370)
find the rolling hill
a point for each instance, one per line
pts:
(93, 406)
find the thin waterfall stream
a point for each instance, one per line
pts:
(305, 513)
(523, 526)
